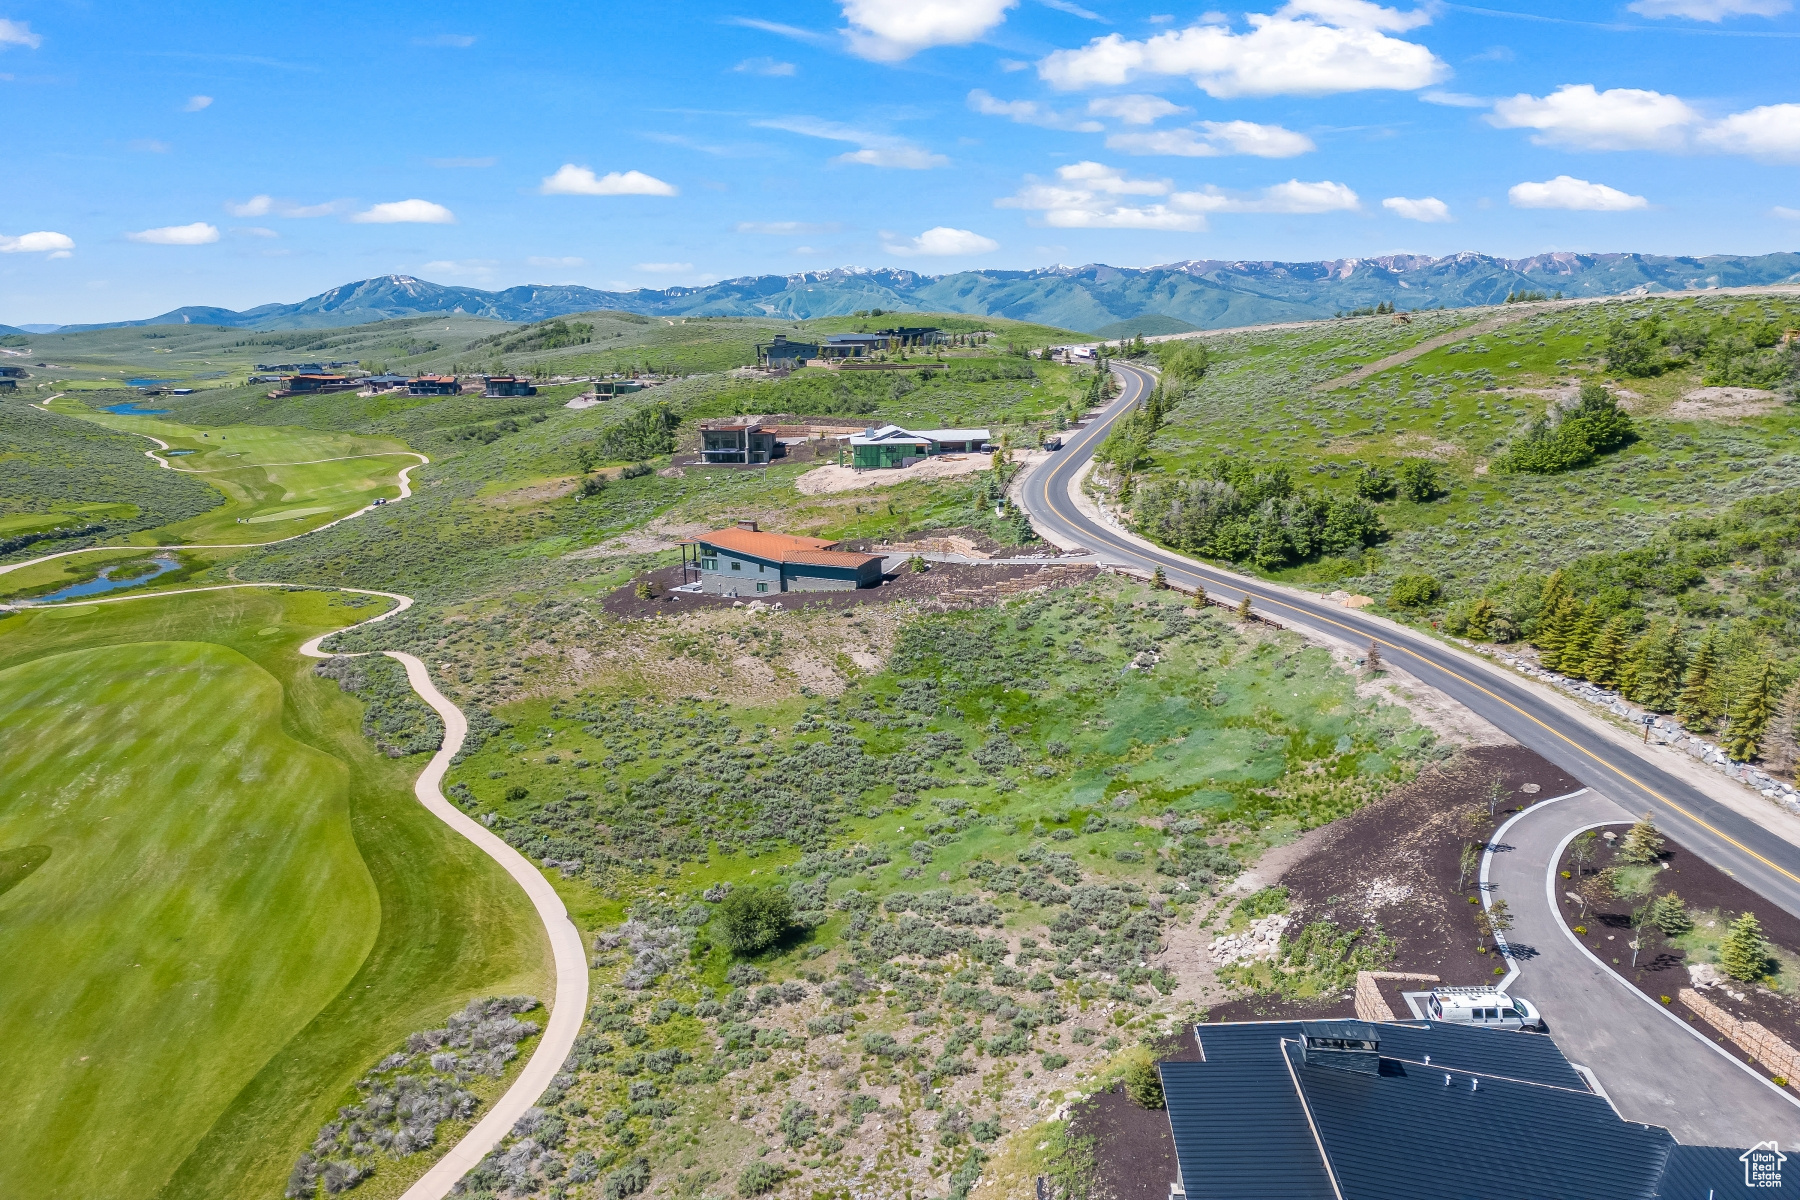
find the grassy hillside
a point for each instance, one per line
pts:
(1682, 521)
(66, 482)
(985, 845)
(208, 977)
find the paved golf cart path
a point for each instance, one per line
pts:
(570, 1003)
(1655, 1067)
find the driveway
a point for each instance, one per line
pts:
(1653, 1065)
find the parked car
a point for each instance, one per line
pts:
(1483, 1007)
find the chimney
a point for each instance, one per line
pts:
(750, 525)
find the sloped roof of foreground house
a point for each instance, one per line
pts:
(1437, 1110)
(782, 547)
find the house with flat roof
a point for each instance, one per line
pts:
(381, 383)
(1355, 1110)
(747, 561)
(744, 441)
(782, 354)
(877, 448)
(507, 385)
(304, 384)
(433, 385)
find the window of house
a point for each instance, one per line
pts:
(762, 587)
(760, 568)
(709, 564)
(736, 565)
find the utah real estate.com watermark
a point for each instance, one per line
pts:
(1762, 1165)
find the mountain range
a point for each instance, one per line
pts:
(1197, 294)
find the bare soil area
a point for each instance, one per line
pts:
(944, 586)
(1721, 402)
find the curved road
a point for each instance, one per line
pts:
(1655, 1067)
(1660, 1070)
(1765, 862)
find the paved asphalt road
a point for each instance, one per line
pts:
(1654, 1066)
(1766, 863)
(1655, 1070)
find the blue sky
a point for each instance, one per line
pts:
(237, 154)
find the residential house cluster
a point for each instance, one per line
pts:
(747, 561)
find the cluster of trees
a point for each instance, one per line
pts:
(1529, 297)
(1385, 308)
(1416, 479)
(1244, 514)
(1183, 362)
(1595, 426)
(1733, 353)
(1725, 682)
(646, 432)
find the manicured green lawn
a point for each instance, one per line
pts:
(278, 480)
(243, 906)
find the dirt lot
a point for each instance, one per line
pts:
(945, 585)
(1662, 968)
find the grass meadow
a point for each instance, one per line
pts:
(241, 907)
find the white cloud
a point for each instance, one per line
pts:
(255, 231)
(1134, 109)
(765, 66)
(405, 212)
(571, 261)
(57, 245)
(197, 234)
(788, 228)
(810, 36)
(941, 241)
(877, 149)
(1306, 48)
(196, 103)
(18, 33)
(1785, 213)
(1211, 139)
(1074, 10)
(892, 30)
(571, 180)
(1709, 10)
(1772, 131)
(1578, 195)
(262, 206)
(450, 41)
(1029, 112)
(1581, 118)
(1085, 196)
(466, 268)
(1429, 209)
(1454, 99)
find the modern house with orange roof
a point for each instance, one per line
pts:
(746, 561)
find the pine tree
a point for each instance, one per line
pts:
(1372, 661)
(1158, 579)
(1695, 707)
(1670, 915)
(1199, 595)
(1743, 953)
(1481, 620)
(1781, 747)
(1641, 844)
(1243, 608)
(1751, 715)
(1604, 660)
(1578, 641)
(1553, 632)
(1555, 588)
(1658, 657)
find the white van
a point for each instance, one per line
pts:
(1483, 1007)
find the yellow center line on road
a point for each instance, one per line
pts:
(1622, 774)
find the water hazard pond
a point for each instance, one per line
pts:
(107, 583)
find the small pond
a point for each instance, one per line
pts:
(93, 587)
(130, 409)
(175, 453)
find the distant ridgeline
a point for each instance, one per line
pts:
(1111, 301)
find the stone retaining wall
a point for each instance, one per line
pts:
(1751, 1036)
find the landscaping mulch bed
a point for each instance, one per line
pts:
(1662, 968)
(946, 585)
(1134, 1152)
(1396, 863)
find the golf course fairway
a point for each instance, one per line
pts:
(218, 906)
